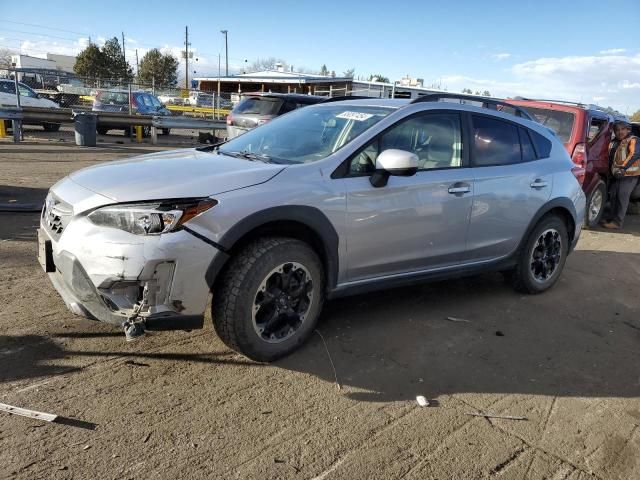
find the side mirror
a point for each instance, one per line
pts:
(393, 162)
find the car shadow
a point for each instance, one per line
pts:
(36, 356)
(580, 339)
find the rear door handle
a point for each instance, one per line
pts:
(538, 184)
(459, 188)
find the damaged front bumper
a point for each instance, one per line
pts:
(111, 275)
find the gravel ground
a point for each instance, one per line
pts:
(181, 405)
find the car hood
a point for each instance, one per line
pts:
(173, 174)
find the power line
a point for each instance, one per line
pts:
(41, 34)
(42, 26)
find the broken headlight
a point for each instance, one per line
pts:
(150, 218)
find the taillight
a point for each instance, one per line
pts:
(229, 120)
(579, 158)
(134, 104)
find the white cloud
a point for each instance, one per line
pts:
(609, 79)
(500, 56)
(613, 51)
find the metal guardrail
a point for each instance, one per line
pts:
(67, 115)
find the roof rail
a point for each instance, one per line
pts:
(491, 103)
(346, 97)
(590, 106)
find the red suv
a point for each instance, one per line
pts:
(586, 132)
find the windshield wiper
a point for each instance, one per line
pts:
(260, 157)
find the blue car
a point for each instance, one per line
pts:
(142, 103)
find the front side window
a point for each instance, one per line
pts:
(495, 142)
(435, 138)
(26, 91)
(596, 127)
(307, 134)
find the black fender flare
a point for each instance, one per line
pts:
(560, 202)
(310, 217)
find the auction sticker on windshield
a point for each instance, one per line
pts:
(358, 116)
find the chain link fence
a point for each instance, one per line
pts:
(68, 90)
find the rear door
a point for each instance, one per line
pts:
(598, 136)
(413, 223)
(511, 185)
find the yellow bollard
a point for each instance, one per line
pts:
(138, 134)
(3, 129)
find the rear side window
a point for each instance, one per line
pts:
(7, 87)
(495, 142)
(259, 106)
(558, 121)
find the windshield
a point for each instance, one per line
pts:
(308, 134)
(259, 106)
(558, 121)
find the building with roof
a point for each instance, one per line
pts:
(281, 81)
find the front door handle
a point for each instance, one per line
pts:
(538, 184)
(459, 188)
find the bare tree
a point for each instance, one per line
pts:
(266, 64)
(5, 57)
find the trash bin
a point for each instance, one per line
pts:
(85, 127)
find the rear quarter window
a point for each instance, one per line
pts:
(542, 144)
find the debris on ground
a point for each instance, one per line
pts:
(335, 374)
(499, 333)
(492, 415)
(24, 412)
(455, 319)
(422, 401)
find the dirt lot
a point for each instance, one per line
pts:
(181, 405)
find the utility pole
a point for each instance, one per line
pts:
(137, 65)
(186, 57)
(226, 52)
(124, 57)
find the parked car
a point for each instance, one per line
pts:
(586, 132)
(142, 103)
(330, 200)
(168, 99)
(28, 98)
(256, 109)
(197, 98)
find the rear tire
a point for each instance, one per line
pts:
(595, 205)
(102, 130)
(542, 257)
(166, 131)
(269, 298)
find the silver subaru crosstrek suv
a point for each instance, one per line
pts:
(332, 199)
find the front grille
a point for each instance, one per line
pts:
(55, 216)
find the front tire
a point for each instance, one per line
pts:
(269, 298)
(543, 256)
(595, 205)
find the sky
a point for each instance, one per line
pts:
(587, 51)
